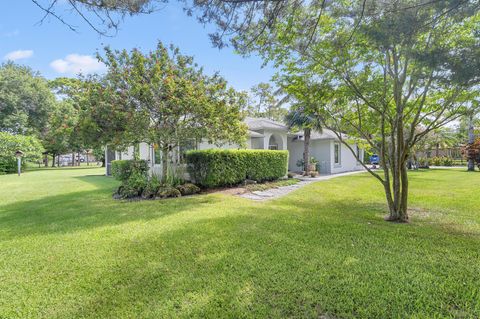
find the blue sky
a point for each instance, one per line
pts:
(54, 50)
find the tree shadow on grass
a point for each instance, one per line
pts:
(86, 210)
(62, 168)
(270, 263)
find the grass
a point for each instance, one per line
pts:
(68, 250)
(274, 184)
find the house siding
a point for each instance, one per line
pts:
(348, 162)
(321, 150)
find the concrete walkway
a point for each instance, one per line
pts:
(273, 193)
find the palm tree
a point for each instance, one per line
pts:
(302, 119)
(442, 138)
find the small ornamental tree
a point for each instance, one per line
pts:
(163, 98)
(472, 152)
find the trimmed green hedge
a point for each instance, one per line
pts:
(122, 169)
(214, 168)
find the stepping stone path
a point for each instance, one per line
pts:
(284, 190)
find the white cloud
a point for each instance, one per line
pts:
(19, 54)
(76, 63)
(10, 34)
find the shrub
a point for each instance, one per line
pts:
(175, 175)
(423, 162)
(152, 187)
(447, 161)
(122, 169)
(436, 161)
(133, 186)
(266, 165)
(442, 161)
(214, 168)
(133, 175)
(313, 161)
(168, 191)
(188, 189)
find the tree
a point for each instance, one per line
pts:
(439, 139)
(61, 124)
(393, 67)
(99, 154)
(25, 100)
(267, 102)
(102, 16)
(10, 143)
(469, 119)
(300, 117)
(163, 98)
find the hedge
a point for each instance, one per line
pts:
(214, 168)
(122, 169)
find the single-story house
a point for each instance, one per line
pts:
(333, 157)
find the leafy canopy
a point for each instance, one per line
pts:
(163, 97)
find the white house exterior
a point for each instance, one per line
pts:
(332, 155)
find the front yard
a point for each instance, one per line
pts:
(68, 250)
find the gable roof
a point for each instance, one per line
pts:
(262, 123)
(315, 135)
(254, 134)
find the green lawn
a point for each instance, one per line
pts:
(68, 250)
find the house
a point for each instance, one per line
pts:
(333, 157)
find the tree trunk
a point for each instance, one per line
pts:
(46, 160)
(398, 200)
(471, 140)
(58, 160)
(437, 149)
(399, 155)
(306, 151)
(78, 158)
(53, 160)
(86, 156)
(164, 165)
(73, 159)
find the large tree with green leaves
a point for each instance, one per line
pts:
(267, 101)
(393, 67)
(164, 98)
(25, 100)
(61, 125)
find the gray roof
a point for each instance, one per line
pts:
(261, 123)
(325, 135)
(254, 134)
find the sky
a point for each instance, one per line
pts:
(54, 50)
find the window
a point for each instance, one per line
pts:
(336, 153)
(273, 147)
